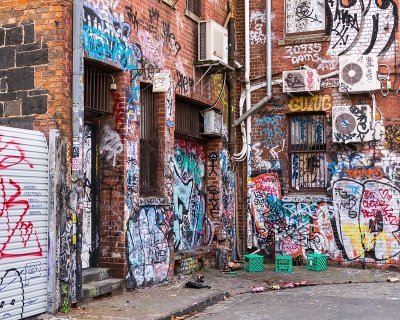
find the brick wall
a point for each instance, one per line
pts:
(141, 39)
(33, 68)
(348, 219)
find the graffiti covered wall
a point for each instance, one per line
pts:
(311, 187)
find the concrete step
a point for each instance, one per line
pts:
(95, 274)
(99, 288)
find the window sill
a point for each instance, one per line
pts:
(171, 3)
(303, 197)
(290, 40)
(154, 201)
(192, 16)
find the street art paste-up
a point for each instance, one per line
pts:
(189, 198)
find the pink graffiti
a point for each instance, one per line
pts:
(6, 156)
(19, 231)
(23, 229)
(373, 206)
(267, 182)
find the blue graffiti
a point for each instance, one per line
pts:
(272, 131)
(100, 46)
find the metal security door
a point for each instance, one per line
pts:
(87, 201)
(24, 183)
(189, 197)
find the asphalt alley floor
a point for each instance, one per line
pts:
(172, 300)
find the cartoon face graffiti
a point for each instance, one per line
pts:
(11, 295)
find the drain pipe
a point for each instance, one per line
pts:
(268, 48)
(77, 143)
(248, 120)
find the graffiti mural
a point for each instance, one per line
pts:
(189, 197)
(148, 248)
(367, 217)
(362, 27)
(289, 227)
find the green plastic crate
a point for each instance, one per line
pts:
(283, 264)
(316, 262)
(253, 263)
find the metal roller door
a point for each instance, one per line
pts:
(23, 223)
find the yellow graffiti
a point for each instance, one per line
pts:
(352, 231)
(362, 239)
(218, 87)
(315, 103)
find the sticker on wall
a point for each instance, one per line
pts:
(161, 82)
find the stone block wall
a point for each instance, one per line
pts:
(19, 54)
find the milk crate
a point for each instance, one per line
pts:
(283, 264)
(316, 262)
(253, 263)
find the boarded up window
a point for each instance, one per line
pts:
(305, 16)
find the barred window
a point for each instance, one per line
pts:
(149, 153)
(307, 150)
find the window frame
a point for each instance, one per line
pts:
(149, 145)
(317, 151)
(193, 3)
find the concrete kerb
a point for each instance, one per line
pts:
(198, 306)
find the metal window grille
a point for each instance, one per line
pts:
(187, 119)
(97, 89)
(307, 151)
(149, 150)
(194, 6)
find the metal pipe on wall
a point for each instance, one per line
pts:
(268, 49)
(77, 140)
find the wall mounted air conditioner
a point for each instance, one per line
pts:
(212, 42)
(305, 80)
(212, 123)
(352, 124)
(358, 73)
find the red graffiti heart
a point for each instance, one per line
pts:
(26, 231)
(385, 194)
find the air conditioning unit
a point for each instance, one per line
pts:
(212, 123)
(352, 124)
(358, 73)
(212, 42)
(304, 80)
